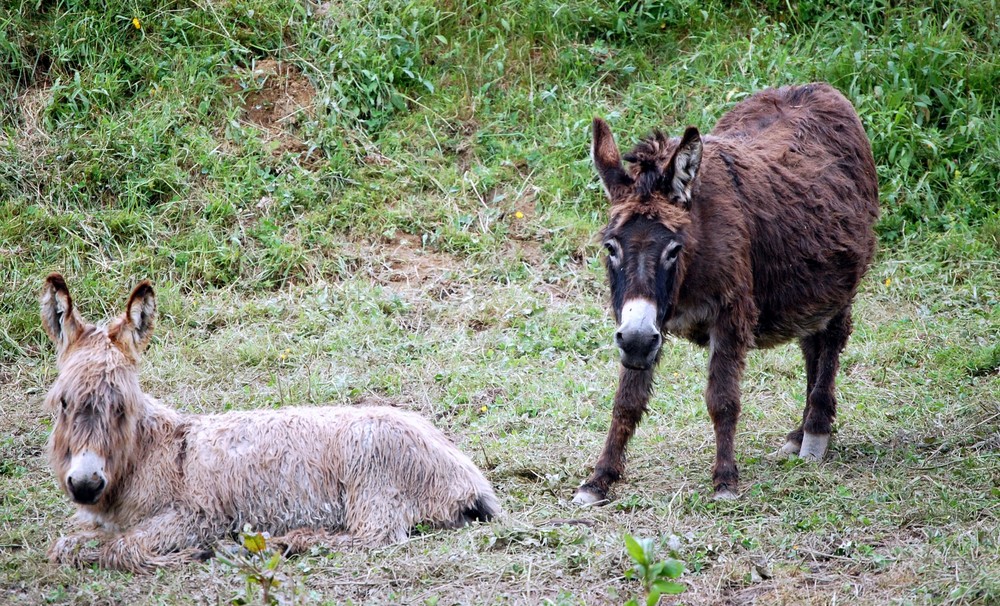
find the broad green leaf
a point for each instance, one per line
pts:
(254, 543)
(673, 568)
(669, 587)
(635, 550)
(272, 564)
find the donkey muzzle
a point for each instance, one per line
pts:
(87, 490)
(638, 338)
(85, 480)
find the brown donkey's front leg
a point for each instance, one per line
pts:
(725, 369)
(634, 389)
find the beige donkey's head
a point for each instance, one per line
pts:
(96, 400)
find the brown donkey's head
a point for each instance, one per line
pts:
(646, 236)
(96, 399)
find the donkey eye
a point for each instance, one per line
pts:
(671, 251)
(614, 251)
(62, 401)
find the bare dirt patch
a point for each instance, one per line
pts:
(402, 261)
(280, 98)
(31, 104)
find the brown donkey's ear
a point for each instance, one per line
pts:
(61, 321)
(607, 160)
(683, 168)
(140, 317)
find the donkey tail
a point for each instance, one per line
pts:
(483, 509)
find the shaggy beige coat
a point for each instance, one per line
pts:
(168, 485)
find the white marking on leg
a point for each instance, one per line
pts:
(814, 446)
(725, 495)
(585, 498)
(791, 447)
(638, 315)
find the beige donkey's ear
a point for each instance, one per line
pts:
(136, 329)
(61, 321)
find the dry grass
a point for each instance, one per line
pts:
(904, 509)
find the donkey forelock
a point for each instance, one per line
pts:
(649, 160)
(96, 401)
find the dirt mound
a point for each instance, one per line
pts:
(408, 262)
(280, 97)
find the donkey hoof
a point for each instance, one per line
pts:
(790, 448)
(586, 497)
(814, 446)
(725, 495)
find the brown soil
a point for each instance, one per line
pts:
(31, 103)
(408, 262)
(283, 100)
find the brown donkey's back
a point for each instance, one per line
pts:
(796, 166)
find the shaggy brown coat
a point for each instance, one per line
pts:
(163, 486)
(754, 235)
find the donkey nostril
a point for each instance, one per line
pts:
(619, 338)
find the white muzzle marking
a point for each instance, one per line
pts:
(638, 316)
(86, 468)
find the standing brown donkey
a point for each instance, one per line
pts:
(754, 235)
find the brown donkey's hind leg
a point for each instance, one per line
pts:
(810, 353)
(631, 399)
(822, 357)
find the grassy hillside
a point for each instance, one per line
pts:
(348, 201)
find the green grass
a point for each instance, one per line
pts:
(408, 214)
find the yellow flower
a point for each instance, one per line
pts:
(484, 408)
(135, 23)
(888, 281)
(519, 215)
